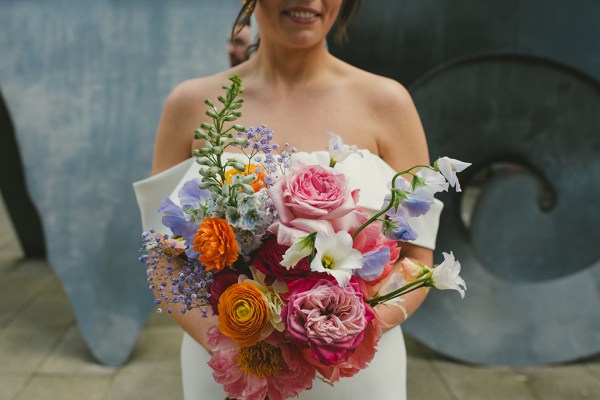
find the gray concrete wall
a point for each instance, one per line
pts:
(84, 81)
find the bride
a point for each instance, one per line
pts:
(302, 92)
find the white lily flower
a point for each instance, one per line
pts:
(449, 167)
(300, 249)
(338, 151)
(445, 276)
(336, 257)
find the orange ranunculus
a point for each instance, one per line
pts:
(243, 313)
(259, 182)
(215, 241)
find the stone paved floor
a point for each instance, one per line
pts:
(42, 355)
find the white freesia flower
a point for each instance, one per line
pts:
(300, 249)
(445, 276)
(338, 151)
(449, 167)
(336, 257)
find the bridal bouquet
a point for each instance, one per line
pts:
(281, 252)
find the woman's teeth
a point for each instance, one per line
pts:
(302, 14)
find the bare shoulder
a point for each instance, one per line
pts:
(398, 130)
(182, 113)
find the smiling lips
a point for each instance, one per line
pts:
(302, 15)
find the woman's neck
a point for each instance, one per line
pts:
(285, 68)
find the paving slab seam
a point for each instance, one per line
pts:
(28, 302)
(19, 392)
(442, 379)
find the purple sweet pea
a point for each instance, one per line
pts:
(401, 232)
(374, 263)
(191, 196)
(180, 223)
(416, 205)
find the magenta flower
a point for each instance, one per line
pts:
(328, 319)
(313, 198)
(268, 368)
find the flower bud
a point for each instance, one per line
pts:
(205, 185)
(239, 128)
(199, 134)
(249, 178)
(202, 152)
(240, 166)
(240, 141)
(205, 172)
(212, 113)
(205, 161)
(208, 103)
(217, 150)
(213, 170)
(247, 188)
(206, 126)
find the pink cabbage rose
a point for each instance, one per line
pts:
(313, 198)
(359, 360)
(326, 318)
(269, 368)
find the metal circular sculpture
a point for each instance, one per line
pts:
(527, 225)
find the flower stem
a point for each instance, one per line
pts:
(392, 199)
(401, 291)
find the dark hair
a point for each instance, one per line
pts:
(347, 13)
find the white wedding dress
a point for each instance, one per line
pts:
(385, 378)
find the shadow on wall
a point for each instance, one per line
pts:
(21, 210)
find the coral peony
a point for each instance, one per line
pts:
(215, 241)
(244, 314)
(269, 368)
(372, 239)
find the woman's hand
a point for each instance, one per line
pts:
(392, 315)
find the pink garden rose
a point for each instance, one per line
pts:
(313, 198)
(268, 368)
(326, 318)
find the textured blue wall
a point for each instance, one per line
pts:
(85, 81)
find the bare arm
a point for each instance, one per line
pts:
(181, 115)
(402, 145)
